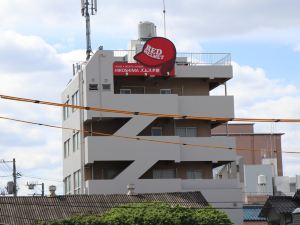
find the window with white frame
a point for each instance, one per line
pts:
(76, 142)
(186, 131)
(77, 182)
(164, 174)
(156, 131)
(67, 183)
(75, 100)
(165, 91)
(66, 111)
(125, 91)
(67, 148)
(194, 174)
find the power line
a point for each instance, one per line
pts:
(139, 138)
(162, 115)
(41, 178)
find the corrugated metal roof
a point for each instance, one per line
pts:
(251, 212)
(28, 210)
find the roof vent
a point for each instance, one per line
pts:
(52, 190)
(131, 188)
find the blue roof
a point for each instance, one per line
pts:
(251, 213)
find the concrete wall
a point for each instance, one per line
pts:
(287, 185)
(225, 195)
(214, 106)
(112, 148)
(260, 145)
(251, 173)
(72, 163)
(180, 86)
(204, 71)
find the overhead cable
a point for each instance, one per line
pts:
(161, 115)
(138, 138)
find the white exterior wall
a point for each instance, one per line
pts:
(72, 163)
(225, 194)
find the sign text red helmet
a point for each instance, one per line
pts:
(158, 52)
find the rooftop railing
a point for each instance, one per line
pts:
(185, 58)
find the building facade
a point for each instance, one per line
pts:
(104, 159)
(255, 148)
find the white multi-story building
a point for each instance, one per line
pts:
(95, 162)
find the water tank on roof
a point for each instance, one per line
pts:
(147, 30)
(261, 180)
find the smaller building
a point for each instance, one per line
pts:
(278, 210)
(296, 216)
(29, 210)
(251, 215)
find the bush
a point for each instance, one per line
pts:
(149, 214)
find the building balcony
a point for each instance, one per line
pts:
(203, 106)
(185, 58)
(193, 65)
(147, 153)
(163, 185)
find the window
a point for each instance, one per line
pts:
(165, 91)
(75, 141)
(67, 148)
(106, 87)
(66, 111)
(186, 131)
(194, 174)
(156, 131)
(77, 182)
(164, 174)
(93, 87)
(67, 183)
(125, 91)
(75, 100)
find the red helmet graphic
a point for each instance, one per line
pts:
(158, 52)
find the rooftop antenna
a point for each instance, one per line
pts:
(164, 12)
(88, 7)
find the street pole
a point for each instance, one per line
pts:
(15, 177)
(43, 190)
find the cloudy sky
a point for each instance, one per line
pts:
(39, 40)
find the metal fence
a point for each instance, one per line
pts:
(185, 58)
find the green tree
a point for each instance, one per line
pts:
(149, 214)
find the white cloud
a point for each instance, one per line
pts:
(201, 20)
(37, 149)
(14, 50)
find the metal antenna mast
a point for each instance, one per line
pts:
(164, 11)
(88, 7)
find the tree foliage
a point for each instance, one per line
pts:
(149, 214)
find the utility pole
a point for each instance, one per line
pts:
(15, 177)
(43, 190)
(31, 186)
(12, 185)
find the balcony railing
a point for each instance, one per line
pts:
(185, 58)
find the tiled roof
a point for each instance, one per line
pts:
(251, 212)
(280, 204)
(28, 210)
